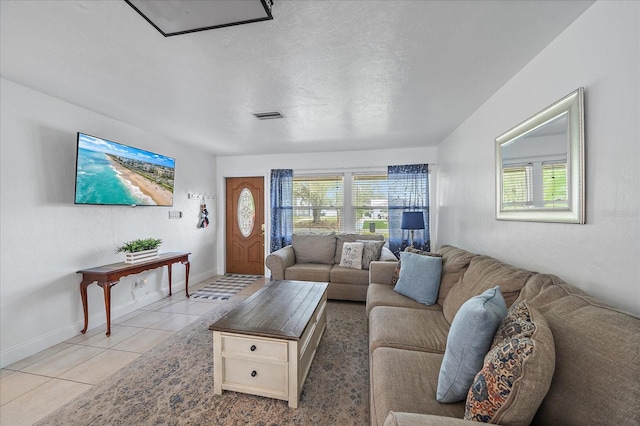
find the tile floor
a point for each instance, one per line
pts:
(35, 387)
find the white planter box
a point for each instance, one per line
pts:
(141, 256)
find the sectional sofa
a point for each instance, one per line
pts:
(316, 257)
(585, 368)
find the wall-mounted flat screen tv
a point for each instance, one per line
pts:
(109, 173)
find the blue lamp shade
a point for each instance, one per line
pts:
(412, 220)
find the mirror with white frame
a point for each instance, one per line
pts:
(540, 165)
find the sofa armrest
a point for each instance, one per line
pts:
(414, 419)
(280, 260)
(382, 272)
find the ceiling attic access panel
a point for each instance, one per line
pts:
(173, 17)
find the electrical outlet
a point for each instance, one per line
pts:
(139, 283)
(173, 214)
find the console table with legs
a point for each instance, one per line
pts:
(107, 276)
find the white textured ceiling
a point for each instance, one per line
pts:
(347, 75)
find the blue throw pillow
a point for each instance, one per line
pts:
(469, 340)
(419, 277)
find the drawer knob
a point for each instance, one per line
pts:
(254, 373)
(253, 348)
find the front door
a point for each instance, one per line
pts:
(245, 225)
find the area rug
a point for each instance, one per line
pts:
(225, 287)
(173, 383)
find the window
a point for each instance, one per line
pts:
(517, 186)
(341, 202)
(318, 203)
(370, 204)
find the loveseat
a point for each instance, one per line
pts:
(317, 257)
(593, 350)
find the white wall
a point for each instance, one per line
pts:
(45, 238)
(261, 165)
(600, 51)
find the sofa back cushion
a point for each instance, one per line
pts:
(455, 262)
(314, 248)
(485, 272)
(597, 355)
(351, 238)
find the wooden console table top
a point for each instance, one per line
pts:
(281, 310)
(106, 276)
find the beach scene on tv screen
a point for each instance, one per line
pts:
(112, 173)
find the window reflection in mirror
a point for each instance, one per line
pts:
(534, 168)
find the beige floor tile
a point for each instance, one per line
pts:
(5, 373)
(146, 319)
(162, 303)
(90, 333)
(40, 402)
(175, 322)
(143, 341)
(119, 333)
(125, 318)
(100, 366)
(17, 384)
(39, 356)
(188, 307)
(62, 361)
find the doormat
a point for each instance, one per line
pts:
(225, 287)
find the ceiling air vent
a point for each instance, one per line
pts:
(269, 115)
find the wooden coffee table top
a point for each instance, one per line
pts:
(281, 309)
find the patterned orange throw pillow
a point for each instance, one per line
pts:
(517, 370)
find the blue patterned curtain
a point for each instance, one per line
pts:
(281, 208)
(408, 191)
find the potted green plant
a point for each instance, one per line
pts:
(140, 250)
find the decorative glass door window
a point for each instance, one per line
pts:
(246, 213)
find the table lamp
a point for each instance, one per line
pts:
(412, 221)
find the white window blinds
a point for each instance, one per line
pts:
(370, 206)
(517, 186)
(554, 184)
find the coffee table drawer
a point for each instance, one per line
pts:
(256, 375)
(254, 347)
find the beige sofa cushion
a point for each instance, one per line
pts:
(394, 387)
(597, 355)
(314, 248)
(517, 370)
(383, 295)
(308, 272)
(340, 274)
(352, 238)
(405, 328)
(485, 272)
(455, 262)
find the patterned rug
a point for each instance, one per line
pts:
(225, 287)
(173, 383)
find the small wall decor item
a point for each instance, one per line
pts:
(140, 250)
(204, 213)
